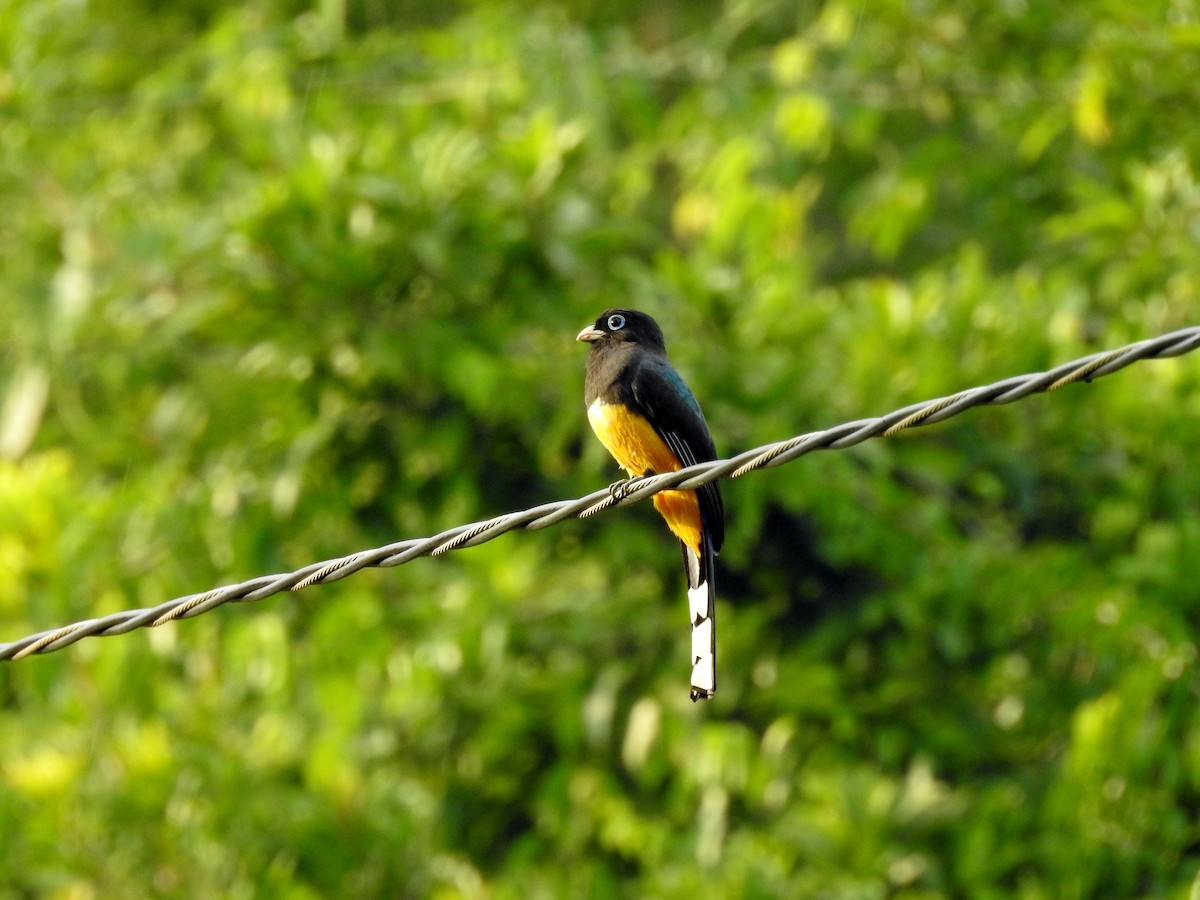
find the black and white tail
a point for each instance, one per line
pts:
(703, 609)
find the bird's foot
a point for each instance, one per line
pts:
(619, 489)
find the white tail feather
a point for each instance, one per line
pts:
(701, 638)
(702, 609)
(698, 601)
(704, 678)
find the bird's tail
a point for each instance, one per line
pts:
(702, 606)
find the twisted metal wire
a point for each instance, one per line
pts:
(1009, 390)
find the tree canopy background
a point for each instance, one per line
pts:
(282, 282)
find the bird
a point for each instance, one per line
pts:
(650, 422)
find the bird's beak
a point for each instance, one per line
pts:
(589, 334)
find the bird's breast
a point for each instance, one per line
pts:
(630, 438)
(638, 449)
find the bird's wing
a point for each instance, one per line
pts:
(671, 409)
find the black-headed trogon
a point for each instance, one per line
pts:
(650, 422)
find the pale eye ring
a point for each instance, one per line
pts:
(616, 323)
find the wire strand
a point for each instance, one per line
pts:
(839, 437)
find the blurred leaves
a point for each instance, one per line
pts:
(281, 282)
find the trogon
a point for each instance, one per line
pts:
(650, 422)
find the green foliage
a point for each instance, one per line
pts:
(283, 282)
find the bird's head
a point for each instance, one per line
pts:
(616, 327)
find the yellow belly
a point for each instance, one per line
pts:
(638, 449)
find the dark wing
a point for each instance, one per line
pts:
(659, 394)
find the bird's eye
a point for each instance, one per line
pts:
(616, 323)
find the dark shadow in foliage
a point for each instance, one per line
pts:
(785, 563)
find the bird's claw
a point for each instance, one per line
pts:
(618, 490)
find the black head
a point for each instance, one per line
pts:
(616, 327)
